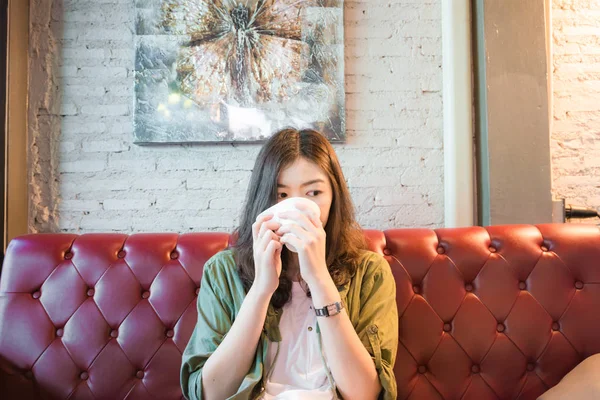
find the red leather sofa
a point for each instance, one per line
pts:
(496, 313)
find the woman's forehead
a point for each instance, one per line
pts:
(300, 172)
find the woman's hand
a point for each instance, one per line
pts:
(267, 255)
(307, 236)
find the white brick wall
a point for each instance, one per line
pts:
(575, 140)
(88, 176)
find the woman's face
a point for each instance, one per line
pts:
(304, 178)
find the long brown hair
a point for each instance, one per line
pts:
(345, 239)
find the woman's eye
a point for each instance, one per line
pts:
(314, 193)
(282, 195)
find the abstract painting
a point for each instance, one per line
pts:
(237, 70)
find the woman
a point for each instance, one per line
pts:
(321, 323)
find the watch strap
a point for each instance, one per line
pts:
(330, 310)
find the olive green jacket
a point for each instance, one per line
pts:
(369, 298)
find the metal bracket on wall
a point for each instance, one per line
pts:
(558, 210)
(564, 213)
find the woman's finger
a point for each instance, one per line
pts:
(291, 239)
(300, 218)
(295, 229)
(267, 226)
(266, 238)
(316, 221)
(308, 211)
(272, 225)
(273, 248)
(258, 223)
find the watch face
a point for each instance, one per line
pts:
(331, 309)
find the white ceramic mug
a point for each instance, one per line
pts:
(290, 204)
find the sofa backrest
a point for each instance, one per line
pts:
(501, 312)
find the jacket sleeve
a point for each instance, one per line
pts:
(214, 321)
(377, 327)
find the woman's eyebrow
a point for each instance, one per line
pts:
(279, 185)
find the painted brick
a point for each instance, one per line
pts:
(181, 164)
(126, 204)
(123, 165)
(415, 176)
(67, 147)
(152, 183)
(74, 91)
(91, 72)
(81, 205)
(376, 177)
(66, 71)
(71, 187)
(82, 124)
(366, 139)
(82, 166)
(106, 146)
(105, 109)
(192, 199)
(68, 109)
(390, 196)
(223, 179)
(105, 223)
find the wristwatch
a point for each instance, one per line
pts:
(330, 310)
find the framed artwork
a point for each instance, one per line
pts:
(237, 70)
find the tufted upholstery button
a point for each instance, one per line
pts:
(29, 375)
(579, 285)
(522, 285)
(417, 289)
(170, 333)
(197, 291)
(544, 248)
(422, 369)
(174, 255)
(441, 250)
(492, 249)
(530, 367)
(555, 326)
(36, 295)
(145, 294)
(114, 333)
(68, 255)
(90, 292)
(59, 332)
(447, 327)
(475, 369)
(373, 329)
(121, 254)
(500, 328)
(139, 374)
(469, 287)
(387, 251)
(84, 376)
